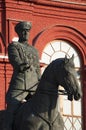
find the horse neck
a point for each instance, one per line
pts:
(46, 103)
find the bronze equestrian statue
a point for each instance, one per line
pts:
(41, 111)
(26, 71)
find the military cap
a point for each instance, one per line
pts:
(23, 25)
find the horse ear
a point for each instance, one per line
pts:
(66, 59)
(72, 58)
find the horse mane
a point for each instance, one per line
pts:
(53, 66)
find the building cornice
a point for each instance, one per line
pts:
(68, 4)
(62, 4)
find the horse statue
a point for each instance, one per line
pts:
(41, 111)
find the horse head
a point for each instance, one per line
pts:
(67, 78)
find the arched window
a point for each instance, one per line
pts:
(57, 49)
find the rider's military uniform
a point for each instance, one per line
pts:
(26, 73)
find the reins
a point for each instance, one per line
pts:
(27, 90)
(51, 92)
(47, 91)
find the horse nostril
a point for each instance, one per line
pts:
(70, 97)
(77, 96)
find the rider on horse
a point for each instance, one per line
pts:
(26, 71)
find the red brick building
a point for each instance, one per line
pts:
(54, 23)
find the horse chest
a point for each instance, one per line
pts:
(46, 124)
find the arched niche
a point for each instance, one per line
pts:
(56, 32)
